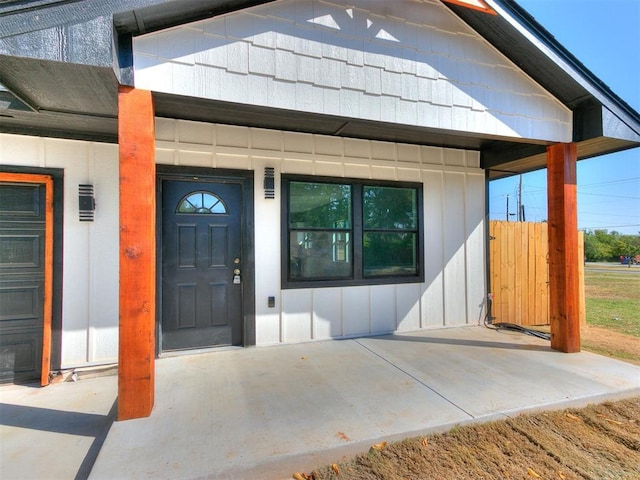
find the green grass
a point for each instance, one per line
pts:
(613, 301)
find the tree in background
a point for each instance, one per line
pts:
(604, 246)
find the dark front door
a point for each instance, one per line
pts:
(201, 264)
(22, 280)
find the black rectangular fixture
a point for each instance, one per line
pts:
(86, 203)
(269, 183)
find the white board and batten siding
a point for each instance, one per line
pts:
(400, 61)
(454, 289)
(454, 248)
(90, 249)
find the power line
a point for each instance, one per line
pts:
(530, 190)
(591, 212)
(599, 227)
(626, 180)
(535, 188)
(612, 196)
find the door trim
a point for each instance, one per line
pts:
(47, 181)
(245, 179)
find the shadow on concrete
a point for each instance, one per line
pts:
(464, 342)
(64, 422)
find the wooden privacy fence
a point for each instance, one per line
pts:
(519, 273)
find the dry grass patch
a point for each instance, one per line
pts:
(610, 343)
(597, 442)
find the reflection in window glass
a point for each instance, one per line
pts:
(351, 233)
(319, 205)
(319, 255)
(389, 254)
(390, 236)
(204, 203)
(389, 208)
(319, 231)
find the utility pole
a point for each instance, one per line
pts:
(507, 207)
(520, 215)
(509, 214)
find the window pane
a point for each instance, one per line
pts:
(389, 208)
(19, 199)
(389, 254)
(201, 203)
(319, 255)
(319, 205)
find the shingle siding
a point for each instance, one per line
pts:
(399, 61)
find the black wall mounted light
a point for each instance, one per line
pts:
(269, 183)
(86, 203)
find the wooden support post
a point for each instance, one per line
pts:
(136, 357)
(564, 308)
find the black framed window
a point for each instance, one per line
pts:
(350, 232)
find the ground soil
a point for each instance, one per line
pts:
(607, 342)
(597, 442)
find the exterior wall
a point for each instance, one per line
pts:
(399, 61)
(90, 263)
(451, 295)
(454, 289)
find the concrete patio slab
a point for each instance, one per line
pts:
(500, 372)
(264, 413)
(268, 412)
(242, 408)
(54, 432)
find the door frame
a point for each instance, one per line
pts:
(245, 180)
(52, 179)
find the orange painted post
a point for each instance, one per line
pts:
(564, 313)
(48, 283)
(136, 357)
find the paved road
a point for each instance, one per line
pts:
(612, 268)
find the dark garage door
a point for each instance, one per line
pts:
(22, 280)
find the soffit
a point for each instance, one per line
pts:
(60, 87)
(197, 109)
(538, 160)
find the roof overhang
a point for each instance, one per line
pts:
(189, 108)
(603, 123)
(70, 91)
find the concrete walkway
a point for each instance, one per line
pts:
(54, 432)
(270, 411)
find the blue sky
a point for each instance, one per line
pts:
(605, 36)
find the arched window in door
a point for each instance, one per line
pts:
(201, 203)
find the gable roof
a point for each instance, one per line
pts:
(603, 122)
(70, 90)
